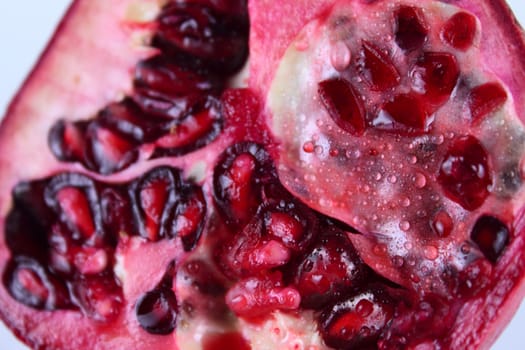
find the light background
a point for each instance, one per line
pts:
(25, 28)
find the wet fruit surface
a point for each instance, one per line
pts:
(361, 190)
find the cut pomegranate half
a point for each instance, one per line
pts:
(357, 183)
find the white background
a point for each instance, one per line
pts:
(25, 27)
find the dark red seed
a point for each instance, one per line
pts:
(343, 104)
(465, 174)
(67, 140)
(442, 224)
(459, 31)
(157, 311)
(485, 99)
(331, 268)
(377, 68)
(33, 285)
(357, 321)
(257, 296)
(189, 217)
(491, 236)
(435, 75)
(99, 296)
(199, 37)
(410, 28)
(406, 113)
(107, 151)
(238, 180)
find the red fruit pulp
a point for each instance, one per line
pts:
(173, 209)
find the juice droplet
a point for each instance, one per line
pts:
(420, 180)
(404, 225)
(308, 147)
(340, 56)
(431, 252)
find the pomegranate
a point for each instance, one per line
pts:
(267, 175)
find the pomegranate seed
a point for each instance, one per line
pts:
(189, 217)
(76, 207)
(357, 321)
(31, 284)
(66, 140)
(257, 296)
(197, 36)
(156, 310)
(406, 113)
(465, 174)
(238, 179)
(485, 99)
(107, 151)
(153, 196)
(343, 104)
(410, 28)
(377, 68)
(459, 31)
(435, 75)
(442, 224)
(331, 268)
(491, 236)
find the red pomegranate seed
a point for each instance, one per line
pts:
(491, 236)
(76, 207)
(410, 28)
(31, 284)
(285, 227)
(157, 311)
(377, 68)
(330, 268)
(406, 113)
(459, 31)
(435, 75)
(190, 216)
(465, 174)
(357, 321)
(485, 99)
(343, 104)
(442, 224)
(109, 151)
(153, 197)
(257, 296)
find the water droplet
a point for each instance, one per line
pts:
(431, 252)
(340, 56)
(405, 202)
(465, 248)
(308, 147)
(404, 225)
(318, 150)
(408, 245)
(334, 152)
(366, 189)
(378, 176)
(319, 123)
(412, 159)
(439, 139)
(392, 179)
(420, 180)
(398, 261)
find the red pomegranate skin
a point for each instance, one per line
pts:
(66, 85)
